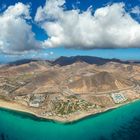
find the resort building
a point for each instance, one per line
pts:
(118, 97)
(36, 100)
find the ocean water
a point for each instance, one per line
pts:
(119, 124)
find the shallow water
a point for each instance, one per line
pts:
(119, 124)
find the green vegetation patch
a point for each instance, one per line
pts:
(70, 106)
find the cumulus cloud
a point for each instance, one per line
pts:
(107, 27)
(16, 34)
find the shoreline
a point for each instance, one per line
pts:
(9, 106)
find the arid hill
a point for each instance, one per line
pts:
(83, 75)
(100, 82)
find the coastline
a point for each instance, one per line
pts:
(11, 106)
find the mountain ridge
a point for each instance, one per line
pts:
(64, 60)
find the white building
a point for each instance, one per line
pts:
(118, 97)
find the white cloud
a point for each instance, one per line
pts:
(136, 10)
(16, 34)
(110, 26)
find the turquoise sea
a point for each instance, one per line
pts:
(119, 124)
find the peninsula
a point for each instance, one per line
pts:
(68, 88)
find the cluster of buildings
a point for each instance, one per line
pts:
(37, 100)
(33, 100)
(10, 85)
(118, 97)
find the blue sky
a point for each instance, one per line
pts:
(64, 48)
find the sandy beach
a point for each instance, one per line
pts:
(70, 118)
